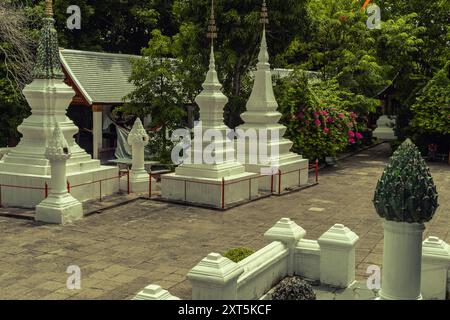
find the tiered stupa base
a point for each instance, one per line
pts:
(294, 173)
(208, 191)
(219, 185)
(84, 186)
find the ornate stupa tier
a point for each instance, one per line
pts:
(211, 102)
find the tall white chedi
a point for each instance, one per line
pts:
(59, 207)
(49, 98)
(210, 175)
(268, 152)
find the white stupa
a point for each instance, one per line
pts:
(271, 153)
(200, 181)
(26, 166)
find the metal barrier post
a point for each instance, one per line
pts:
(299, 177)
(279, 182)
(100, 190)
(150, 185)
(250, 189)
(128, 181)
(271, 183)
(223, 193)
(68, 187)
(317, 170)
(46, 190)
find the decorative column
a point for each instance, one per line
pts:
(435, 268)
(289, 233)
(215, 278)
(337, 256)
(60, 207)
(139, 177)
(97, 130)
(405, 197)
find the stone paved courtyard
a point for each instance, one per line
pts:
(122, 250)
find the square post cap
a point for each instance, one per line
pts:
(436, 251)
(338, 236)
(216, 270)
(154, 292)
(286, 231)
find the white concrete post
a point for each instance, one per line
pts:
(60, 207)
(337, 256)
(435, 266)
(154, 292)
(289, 233)
(215, 278)
(402, 255)
(97, 130)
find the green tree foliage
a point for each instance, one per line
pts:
(432, 107)
(159, 92)
(238, 41)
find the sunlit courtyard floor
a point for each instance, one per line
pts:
(122, 250)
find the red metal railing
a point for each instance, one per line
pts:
(222, 184)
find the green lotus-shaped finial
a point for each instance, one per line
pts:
(406, 191)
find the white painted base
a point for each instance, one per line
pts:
(59, 209)
(206, 191)
(293, 175)
(29, 198)
(139, 183)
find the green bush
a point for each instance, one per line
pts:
(238, 254)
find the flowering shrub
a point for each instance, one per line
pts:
(316, 118)
(323, 131)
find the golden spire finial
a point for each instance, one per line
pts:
(212, 28)
(264, 15)
(48, 8)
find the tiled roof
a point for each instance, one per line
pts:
(101, 77)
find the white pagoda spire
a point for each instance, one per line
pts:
(262, 115)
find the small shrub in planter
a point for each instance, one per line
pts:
(293, 288)
(238, 254)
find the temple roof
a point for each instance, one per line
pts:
(102, 78)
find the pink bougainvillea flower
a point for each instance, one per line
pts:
(300, 115)
(324, 113)
(353, 115)
(359, 136)
(352, 141)
(326, 130)
(330, 120)
(351, 134)
(315, 115)
(341, 116)
(317, 122)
